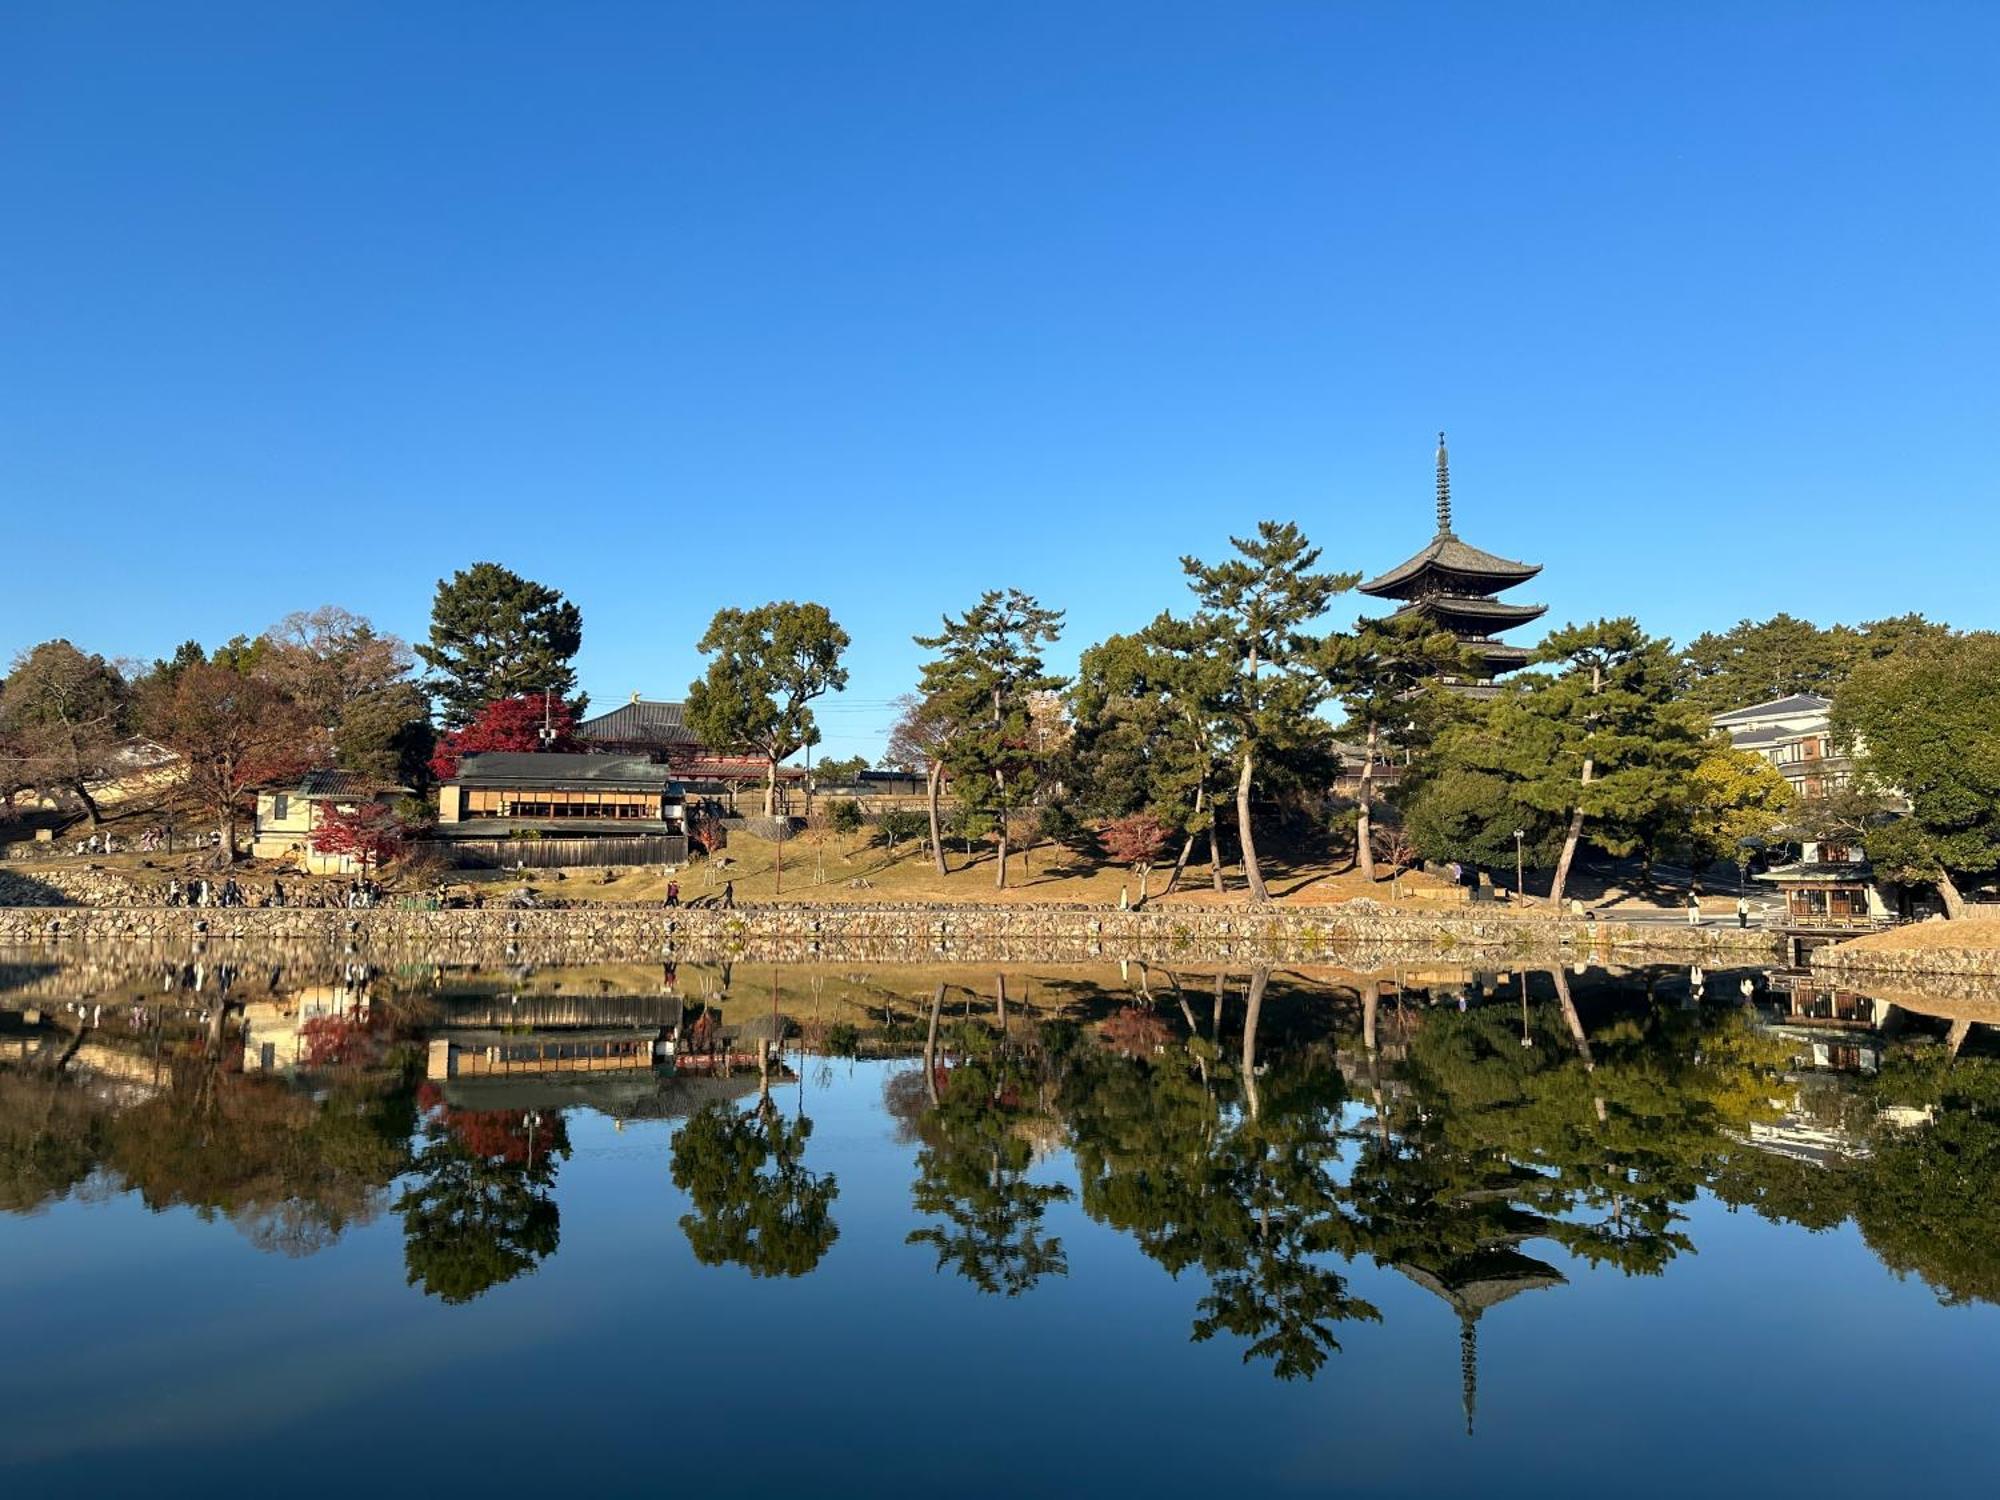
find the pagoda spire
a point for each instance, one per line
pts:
(1444, 489)
(1468, 1362)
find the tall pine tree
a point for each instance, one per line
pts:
(1255, 608)
(982, 682)
(495, 634)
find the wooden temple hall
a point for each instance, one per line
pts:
(1458, 585)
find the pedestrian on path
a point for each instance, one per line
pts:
(1742, 911)
(1694, 910)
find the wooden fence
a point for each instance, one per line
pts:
(561, 853)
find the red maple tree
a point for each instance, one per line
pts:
(1138, 841)
(369, 832)
(507, 724)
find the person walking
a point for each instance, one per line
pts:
(1742, 911)
(1694, 910)
(729, 895)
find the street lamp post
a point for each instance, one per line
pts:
(1519, 894)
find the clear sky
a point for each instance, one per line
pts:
(677, 306)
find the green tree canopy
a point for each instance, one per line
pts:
(768, 666)
(495, 634)
(755, 1204)
(1254, 610)
(1387, 675)
(976, 704)
(64, 714)
(1926, 725)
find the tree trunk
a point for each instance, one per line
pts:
(1575, 832)
(1253, 875)
(1000, 869)
(933, 784)
(1259, 977)
(1145, 873)
(1574, 1021)
(228, 832)
(1187, 851)
(1570, 840)
(1214, 862)
(90, 807)
(1364, 818)
(930, 1045)
(1949, 893)
(770, 787)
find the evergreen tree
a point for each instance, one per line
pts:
(980, 690)
(1926, 724)
(495, 634)
(769, 664)
(1601, 745)
(1146, 738)
(1255, 608)
(1385, 675)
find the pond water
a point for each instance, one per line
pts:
(1125, 1229)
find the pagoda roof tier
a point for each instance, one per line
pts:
(1501, 658)
(1491, 614)
(1449, 565)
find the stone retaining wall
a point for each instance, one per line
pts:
(910, 933)
(1857, 968)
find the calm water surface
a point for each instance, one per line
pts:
(1404, 1232)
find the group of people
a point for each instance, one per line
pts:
(727, 900)
(201, 891)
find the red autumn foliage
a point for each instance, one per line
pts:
(370, 832)
(496, 1135)
(1137, 840)
(335, 1041)
(1134, 1032)
(507, 724)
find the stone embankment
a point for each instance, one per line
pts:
(624, 934)
(1967, 949)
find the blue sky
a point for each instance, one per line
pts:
(676, 306)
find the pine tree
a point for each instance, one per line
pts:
(1381, 673)
(1255, 608)
(982, 684)
(495, 634)
(1603, 740)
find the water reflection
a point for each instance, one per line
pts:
(1260, 1135)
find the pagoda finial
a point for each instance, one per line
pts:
(1468, 1361)
(1444, 487)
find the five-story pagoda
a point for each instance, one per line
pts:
(1455, 584)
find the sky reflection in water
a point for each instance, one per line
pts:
(1166, 1231)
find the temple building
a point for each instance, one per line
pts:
(1455, 584)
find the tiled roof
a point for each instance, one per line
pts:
(1448, 554)
(508, 768)
(1475, 608)
(643, 721)
(341, 786)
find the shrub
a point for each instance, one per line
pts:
(844, 816)
(902, 823)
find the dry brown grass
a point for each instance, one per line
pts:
(831, 869)
(1969, 934)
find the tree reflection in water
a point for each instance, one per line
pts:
(755, 1203)
(980, 1121)
(482, 1208)
(1264, 1131)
